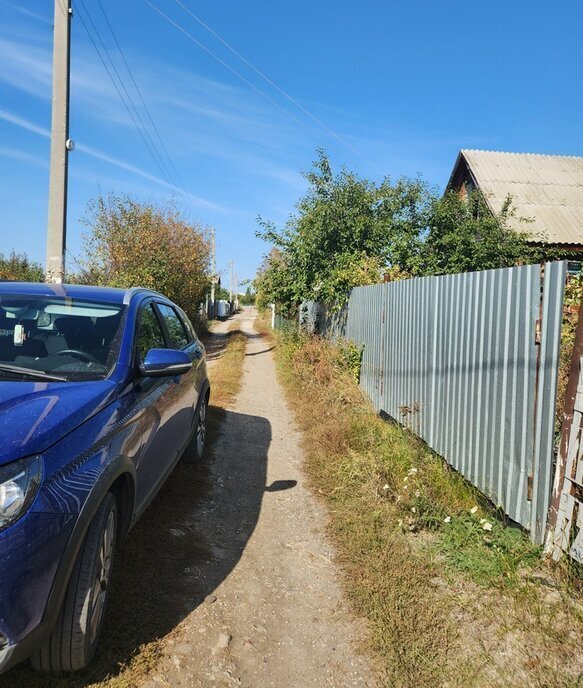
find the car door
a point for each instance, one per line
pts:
(163, 422)
(199, 362)
(179, 337)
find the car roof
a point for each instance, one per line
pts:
(73, 291)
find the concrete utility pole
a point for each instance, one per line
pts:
(60, 143)
(214, 268)
(230, 281)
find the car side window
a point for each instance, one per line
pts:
(150, 335)
(176, 330)
(188, 325)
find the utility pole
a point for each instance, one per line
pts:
(214, 269)
(60, 143)
(230, 281)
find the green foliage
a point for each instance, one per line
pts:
(493, 558)
(274, 283)
(351, 357)
(344, 232)
(248, 298)
(138, 244)
(464, 235)
(221, 294)
(350, 270)
(348, 231)
(19, 267)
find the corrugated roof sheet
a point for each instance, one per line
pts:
(545, 189)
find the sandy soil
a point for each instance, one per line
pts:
(274, 615)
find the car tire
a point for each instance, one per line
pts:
(73, 641)
(195, 449)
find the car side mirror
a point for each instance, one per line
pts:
(165, 363)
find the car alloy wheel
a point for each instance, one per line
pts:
(102, 576)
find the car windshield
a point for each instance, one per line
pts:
(57, 336)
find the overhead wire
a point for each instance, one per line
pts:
(228, 66)
(272, 83)
(136, 118)
(141, 97)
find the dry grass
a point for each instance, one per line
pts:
(262, 325)
(447, 603)
(226, 374)
(149, 596)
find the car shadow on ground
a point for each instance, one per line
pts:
(187, 542)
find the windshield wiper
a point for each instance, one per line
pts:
(31, 372)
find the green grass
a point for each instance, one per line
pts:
(493, 558)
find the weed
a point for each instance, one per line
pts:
(351, 356)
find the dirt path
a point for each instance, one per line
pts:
(274, 615)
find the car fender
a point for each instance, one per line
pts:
(122, 465)
(117, 467)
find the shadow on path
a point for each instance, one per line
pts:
(187, 542)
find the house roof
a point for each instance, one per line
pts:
(546, 189)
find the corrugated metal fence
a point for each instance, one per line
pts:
(469, 363)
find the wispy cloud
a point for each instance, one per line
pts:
(21, 156)
(24, 124)
(205, 123)
(210, 118)
(196, 201)
(29, 13)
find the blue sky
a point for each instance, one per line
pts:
(398, 87)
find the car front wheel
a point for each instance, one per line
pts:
(73, 641)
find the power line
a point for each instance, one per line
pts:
(139, 92)
(228, 66)
(144, 134)
(272, 83)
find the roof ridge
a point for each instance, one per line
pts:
(540, 155)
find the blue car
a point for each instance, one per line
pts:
(102, 391)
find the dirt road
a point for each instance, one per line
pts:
(274, 614)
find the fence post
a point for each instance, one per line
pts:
(272, 306)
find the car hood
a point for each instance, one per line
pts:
(35, 415)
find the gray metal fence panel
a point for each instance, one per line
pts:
(550, 341)
(454, 358)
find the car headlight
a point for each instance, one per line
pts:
(19, 484)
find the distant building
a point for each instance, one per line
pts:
(545, 189)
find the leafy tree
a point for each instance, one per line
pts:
(349, 231)
(464, 235)
(248, 298)
(274, 282)
(349, 271)
(139, 244)
(343, 226)
(221, 294)
(19, 267)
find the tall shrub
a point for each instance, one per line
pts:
(19, 267)
(129, 243)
